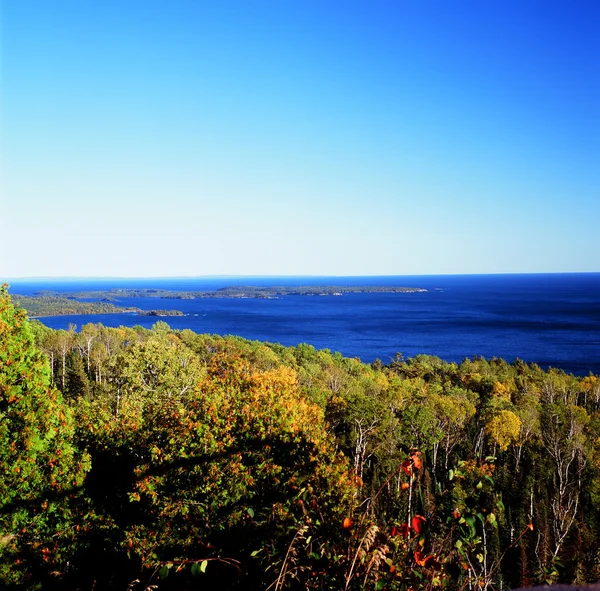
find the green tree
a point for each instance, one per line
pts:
(76, 379)
(38, 460)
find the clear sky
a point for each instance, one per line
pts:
(334, 137)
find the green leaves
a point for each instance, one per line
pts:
(163, 573)
(470, 521)
(199, 567)
(38, 460)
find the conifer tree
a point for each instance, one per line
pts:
(38, 461)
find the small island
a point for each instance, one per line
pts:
(160, 313)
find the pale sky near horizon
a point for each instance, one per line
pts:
(309, 137)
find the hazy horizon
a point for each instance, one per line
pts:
(268, 276)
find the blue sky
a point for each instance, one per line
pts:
(334, 137)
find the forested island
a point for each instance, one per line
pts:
(242, 291)
(51, 303)
(54, 305)
(160, 313)
(164, 459)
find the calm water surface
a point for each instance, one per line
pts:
(552, 320)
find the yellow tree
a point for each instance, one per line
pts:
(504, 428)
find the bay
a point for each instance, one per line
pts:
(549, 319)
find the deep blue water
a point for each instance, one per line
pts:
(552, 320)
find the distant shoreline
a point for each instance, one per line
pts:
(50, 303)
(234, 291)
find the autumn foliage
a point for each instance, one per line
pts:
(137, 459)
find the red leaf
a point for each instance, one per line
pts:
(406, 464)
(401, 530)
(417, 523)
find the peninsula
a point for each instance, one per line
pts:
(51, 303)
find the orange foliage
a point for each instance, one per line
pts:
(416, 460)
(426, 561)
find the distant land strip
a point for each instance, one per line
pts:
(51, 303)
(241, 291)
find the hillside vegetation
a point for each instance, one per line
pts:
(156, 457)
(52, 305)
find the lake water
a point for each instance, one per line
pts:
(552, 320)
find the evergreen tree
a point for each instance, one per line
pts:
(38, 460)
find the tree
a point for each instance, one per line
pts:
(223, 465)
(504, 428)
(563, 431)
(76, 379)
(38, 460)
(84, 340)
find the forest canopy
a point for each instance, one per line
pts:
(142, 457)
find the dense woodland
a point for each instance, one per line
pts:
(135, 458)
(52, 305)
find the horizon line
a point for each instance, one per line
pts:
(268, 275)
